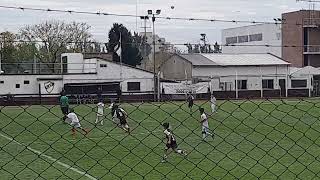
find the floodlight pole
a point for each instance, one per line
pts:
(154, 59)
(154, 53)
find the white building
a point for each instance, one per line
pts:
(252, 39)
(234, 75)
(80, 75)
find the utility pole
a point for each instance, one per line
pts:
(154, 52)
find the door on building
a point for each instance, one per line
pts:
(283, 88)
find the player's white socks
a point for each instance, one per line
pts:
(204, 136)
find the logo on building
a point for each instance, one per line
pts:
(49, 86)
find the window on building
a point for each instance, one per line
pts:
(64, 64)
(26, 82)
(231, 40)
(242, 84)
(298, 83)
(255, 37)
(267, 84)
(133, 86)
(226, 86)
(17, 86)
(1, 82)
(103, 65)
(242, 39)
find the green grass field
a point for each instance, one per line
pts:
(253, 139)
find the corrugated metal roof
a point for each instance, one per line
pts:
(234, 59)
(198, 59)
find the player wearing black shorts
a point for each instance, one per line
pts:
(122, 116)
(190, 101)
(171, 143)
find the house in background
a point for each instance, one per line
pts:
(238, 75)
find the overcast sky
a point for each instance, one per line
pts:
(174, 31)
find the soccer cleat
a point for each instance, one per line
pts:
(185, 153)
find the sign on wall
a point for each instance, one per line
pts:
(50, 87)
(183, 88)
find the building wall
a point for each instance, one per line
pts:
(314, 60)
(271, 34)
(293, 33)
(218, 74)
(10, 81)
(111, 73)
(175, 68)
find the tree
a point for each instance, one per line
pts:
(190, 48)
(130, 52)
(8, 51)
(57, 37)
(216, 48)
(7, 47)
(196, 48)
(141, 43)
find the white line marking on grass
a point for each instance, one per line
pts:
(49, 157)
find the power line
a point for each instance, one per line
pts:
(135, 16)
(164, 44)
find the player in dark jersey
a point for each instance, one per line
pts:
(122, 116)
(171, 143)
(190, 99)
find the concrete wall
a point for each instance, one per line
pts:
(271, 34)
(175, 68)
(218, 74)
(293, 35)
(111, 73)
(314, 60)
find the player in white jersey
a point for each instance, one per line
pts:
(171, 143)
(213, 101)
(100, 118)
(75, 123)
(205, 124)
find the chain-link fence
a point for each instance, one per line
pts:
(252, 139)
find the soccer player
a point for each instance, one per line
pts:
(64, 105)
(122, 116)
(171, 143)
(113, 114)
(99, 118)
(205, 124)
(190, 99)
(213, 101)
(75, 123)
